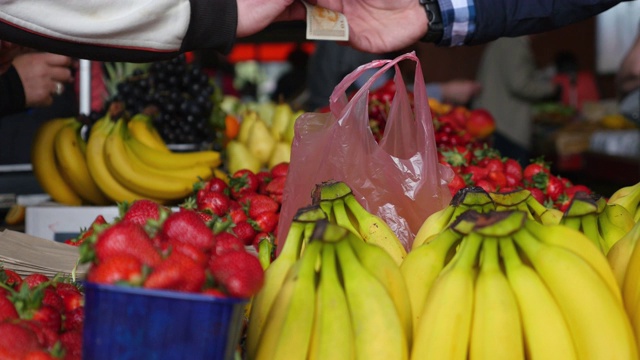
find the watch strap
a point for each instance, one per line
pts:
(435, 29)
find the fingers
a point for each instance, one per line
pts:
(57, 60)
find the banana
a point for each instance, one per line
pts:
(141, 128)
(510, 199)
(287, 330)
(434, 224)
(579, 244)
(379, 263)
(578, 290)
(173, 160)
(378, 332)
(546, 334)
(44, 166)
(589, 227)
(194, 174)
(341, 216)
(496, 331)
(614, 222)
(620, 253)
(631, 283)
(275, 275)
(543, 215)
(629, 198)
(98, 166)
(145, 183)
(68, 149)
(375, 230)
(333, 336)
(421, 267)
(445, 323)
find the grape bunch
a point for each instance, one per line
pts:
(183, 95)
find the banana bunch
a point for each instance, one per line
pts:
(629, 198)
(342, 208)
(262, 142)
(335, 302)
(477, 199)
(624, 258)
(500, 285)
(604, 224)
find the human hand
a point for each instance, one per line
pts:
(43, 75)
(460, 92)
(8, 51)
(380, 26)
(255, 15)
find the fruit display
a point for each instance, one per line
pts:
(40, 318)
(122, 159)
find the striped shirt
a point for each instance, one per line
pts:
(458, 20)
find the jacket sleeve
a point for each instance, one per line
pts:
(12, 98)
(120, 30)
(510, 18)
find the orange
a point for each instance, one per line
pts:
(16, 215)
(231, 127)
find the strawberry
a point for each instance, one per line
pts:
(226, 242)
(512, 180)
(186, 226)
(571, 190)
(275, 189)
(281, 169)
(35, 279)
(537, 194)
(554, 188)
(264, 178)
(266, 222)
(71, 297)
(456, 184)
(214, 292)
(7, 309)
(140, 211)
(51, 298)
(476, 173)
(177, 272)
(48, 317)
(456, 156)
(85, 234)
(215, 202)
(195, 253)
(123, 238)
(16, 341)
(245, 231)
(243, 182)
(47, 337)
(74, 319)
(72, 344)
(239, 273)
(39, 355)
(216, 185)
(115, 269)
(11, 278)
(498, 179)
(537, 166)
(486, 185)
(255, 204)
(261, 236)
(493, 164)
(512, 167)
(236, 212)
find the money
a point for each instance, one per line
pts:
(325, 24)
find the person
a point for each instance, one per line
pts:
(578, 86)
(511, 85)
(32, 80)
(331, 62)
(153, 30)
(628, 82)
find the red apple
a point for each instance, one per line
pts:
(480, 124)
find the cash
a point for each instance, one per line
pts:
(325, 24)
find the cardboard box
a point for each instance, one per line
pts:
(57, 222)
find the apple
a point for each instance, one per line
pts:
(480, 123)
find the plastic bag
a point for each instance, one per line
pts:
(398, 179)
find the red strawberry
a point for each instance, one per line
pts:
(16, 341)
(39, 355)
(236, 212)
(281, 169)
(51, 298)
(140, 211)
(226, 242)
(72, 344)
(571, 190)
(255, 204)
(77, 241)
(245, 231)
(7, 309)
(243, 182)
(266, 222)
(264, 178)
(71, 297)
(493, 164)
(74, 319)
(554, 188)
(217, 185)
(214, 292)
(456, 184)
(498, 179)
(275, 189)
(13, 279)
(195, 253)
(534, 168)
(477, 173)
(486, 185)
(177, 272)
(512, 167)
(261, 236)
(186, 226)
(126, 238)
(215, 202)
(239, 273)
(537, 194)
(117, 268)
(512, 180)
(48, 317)
(35, 279)
(47, 337)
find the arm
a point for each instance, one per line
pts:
(12, 99)
(628, 76)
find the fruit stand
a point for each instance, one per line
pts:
(166, 208)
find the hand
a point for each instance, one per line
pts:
(460, 92)
(42, 75)
(255, 15)
(8, 51)
(380, 26)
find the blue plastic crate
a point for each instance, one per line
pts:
(133, 323)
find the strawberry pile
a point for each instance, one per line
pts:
(457, 125)
(40, 318)
(483, 166)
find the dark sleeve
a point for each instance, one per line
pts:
(11, 92)
(510, 18)
(212, 25)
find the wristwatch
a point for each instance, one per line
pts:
(434, 15)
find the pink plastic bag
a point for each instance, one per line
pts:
(399, 179)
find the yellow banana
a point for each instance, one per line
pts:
(546, 334)
(44, 166)
(614, 222)
(341, 216)
(145, 183)
(421, 267)
(579, 244)
(543, 215)
(379, 263)
(434, 224)
(438, 336)
(173, 160)
(333, 336)
(631, 284)
(496, 331)
(287, 330)
(98, 166)
(141, 127)
(375, 230)
(629, 198)
(71, 160)
(194, 174)
(589, 227)
(578, 290)
(620, 253)
(378, 332)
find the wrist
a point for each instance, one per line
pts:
(435, 27)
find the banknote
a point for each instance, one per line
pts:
(324, 24)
